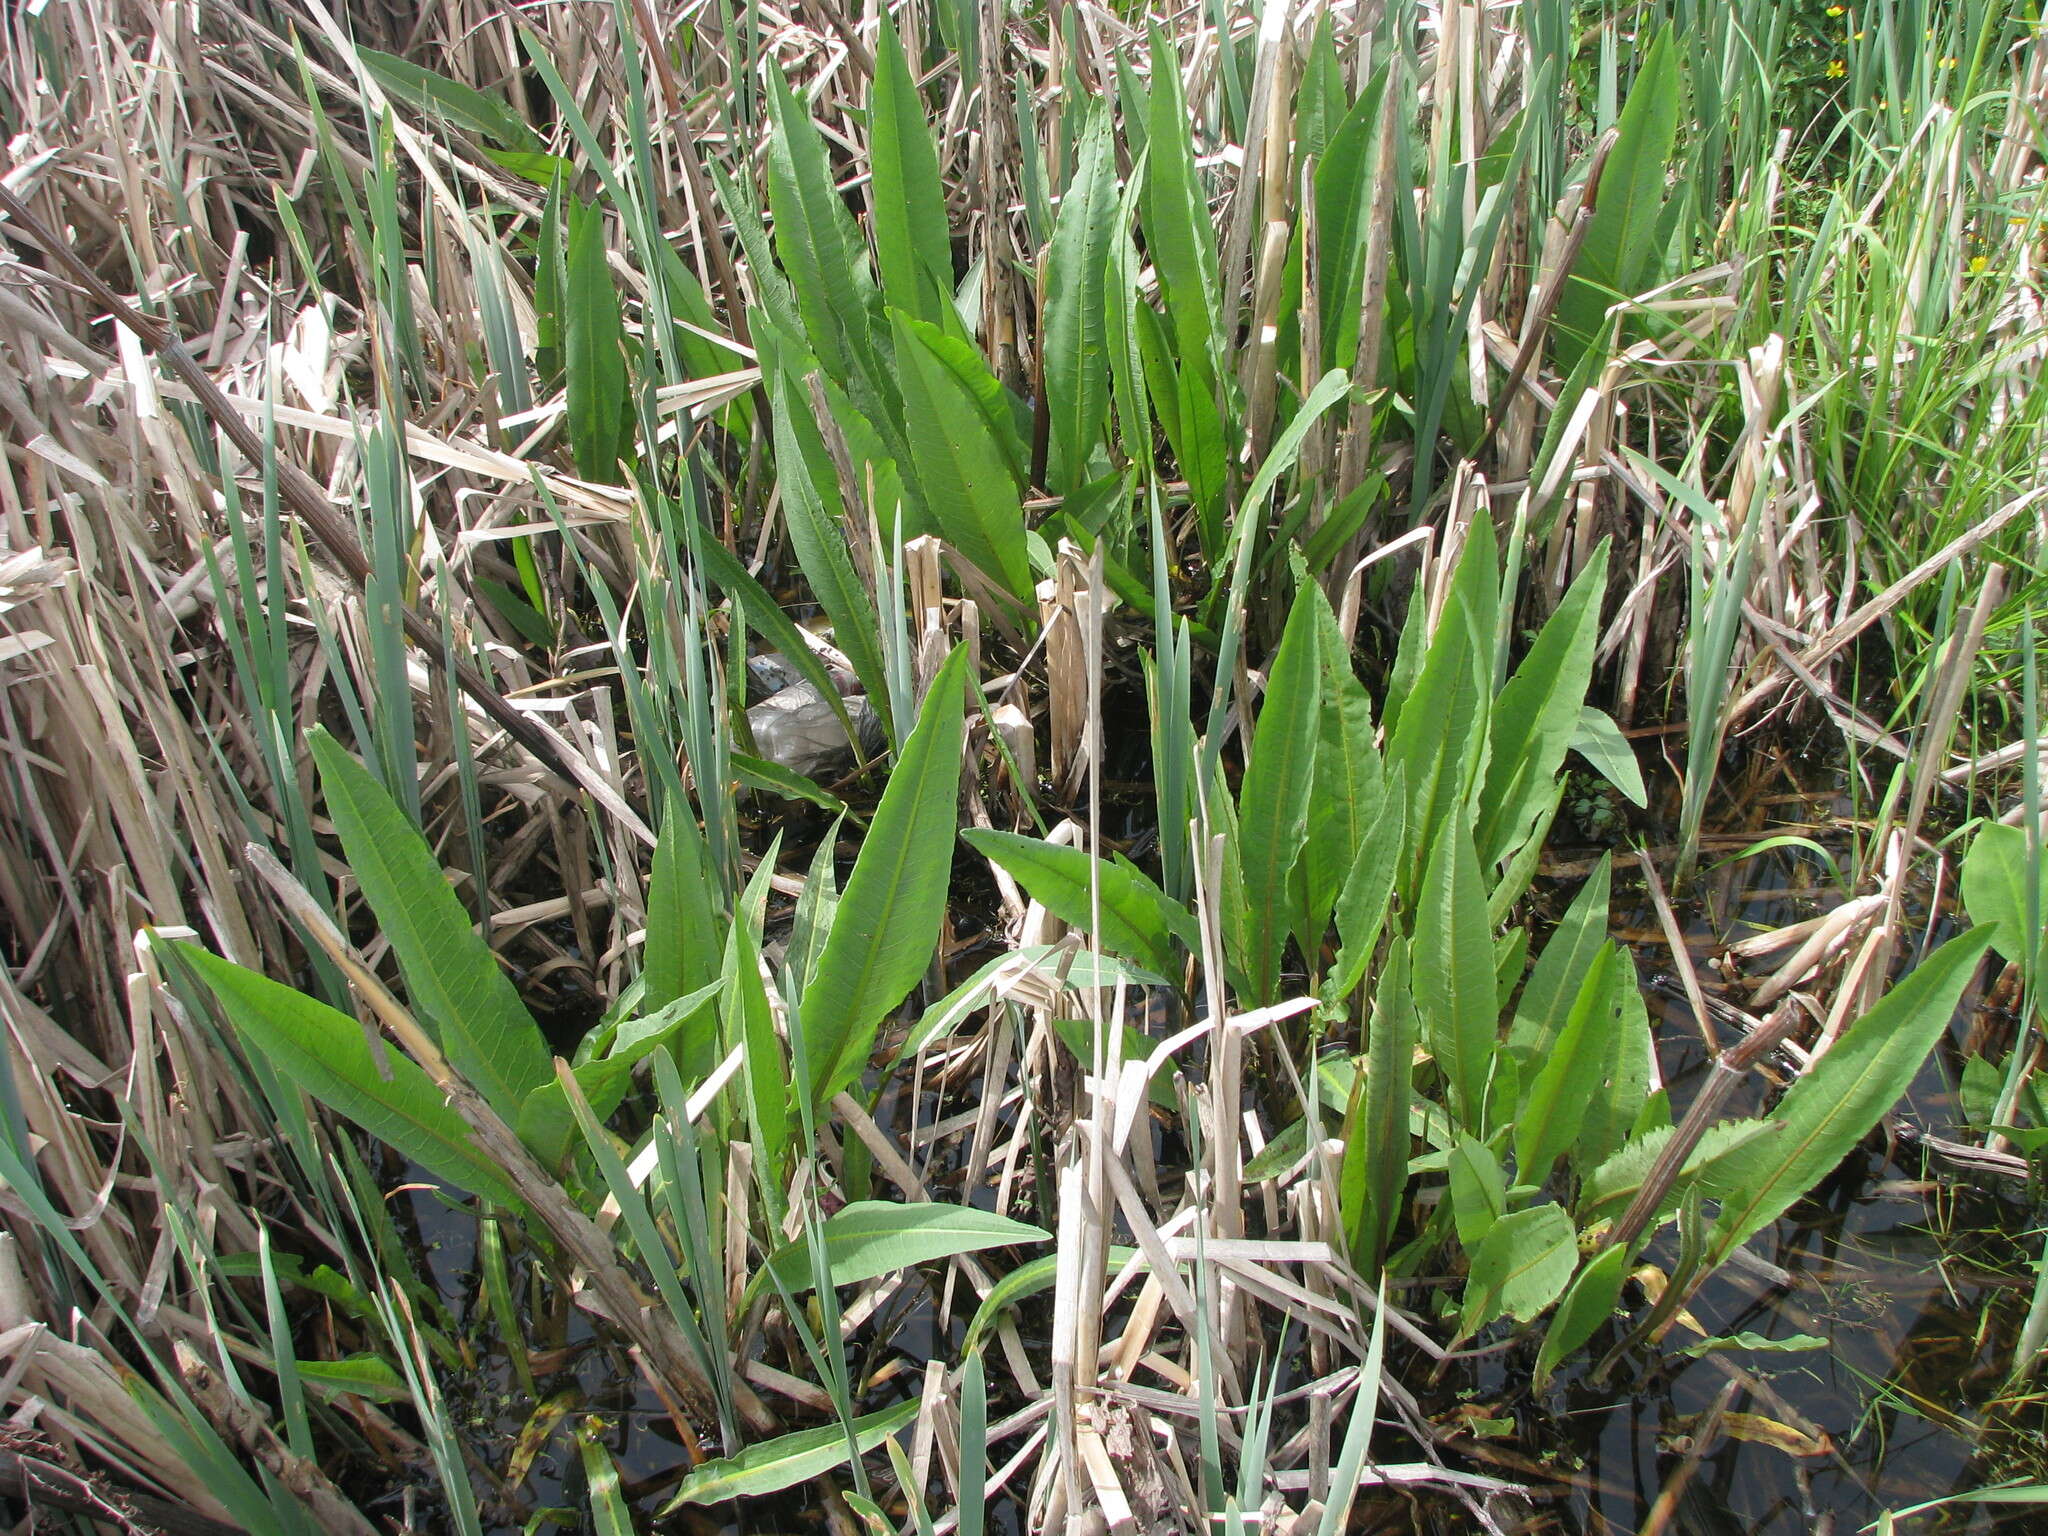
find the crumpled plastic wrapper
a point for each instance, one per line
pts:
(797, 728)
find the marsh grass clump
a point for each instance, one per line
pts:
(1223, 499)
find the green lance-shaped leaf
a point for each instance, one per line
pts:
(547, 1123)
(1569, 1074)
(1623, 1085)
(1076, 313)
(1619, 257)
(750, 1020)
(1272, 815)
(1536, 717)
(813, 513)
(1179, 231)
(814, 236)
(438, 96)
(770, 1466)
(906, 203)
(1561, 969)
(871, 1238)
(1522, 1266)
(457, 987)
(1995, 877)
(888, 920)
(967, 481)
(1438, 735)
(1454, 975)
(594, 348)
(326, 1053)
(1600, 742)
(1139, 921)
(1843, 1094)
(1376, 1129)
(682, 946)
(1608, 1189)
(1348, 803)
(1587, 1304)
(1479, 1189)
(1368, 894)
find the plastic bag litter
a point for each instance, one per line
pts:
(797, 728)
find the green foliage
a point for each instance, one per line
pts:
(873, 1237)
(331, 1057)
(888, 918)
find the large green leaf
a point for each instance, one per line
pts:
(906, 203)
(1180, 233)
(1569, 1074)
(1376, 1129)
(815, 239)
(594, 348)
(1368, 892)
(1619, 256)
(547, 1123)
(750, 1019)
(769, 1466)
(1076, 318)
(1609, 1188)
(1522, 1266)
(457, 987)
(1348, 803)
(1600, 742)
(326, 1053)
(965, 477)
(1587, 1304)
(681, 952)
(1561, 969)
(870, 1238)
(1138, 919)
(1343, 189)
(1439, 733)
(1536, 717)
(888, 920)
(1272, 814)
(813, 513)
(438, 96)
(1995, 880)
(1844, 1094)
(1454, 977)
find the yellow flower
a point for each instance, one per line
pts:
(1949, 62)
(1838, 10)
(1978, 264)
(1837, 69)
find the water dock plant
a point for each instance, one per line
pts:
(1282, 519)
